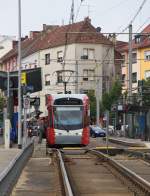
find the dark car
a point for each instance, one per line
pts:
(1, 129)
(96, 131)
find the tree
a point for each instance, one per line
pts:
(92, 100)
(146, 92)
(2, 102)
(109, 98)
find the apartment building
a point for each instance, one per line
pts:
(140, 58)
(72, 57)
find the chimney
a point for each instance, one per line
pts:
(14, 44)
(87, 19)
(98, 29)
(33, 34)
(49, 27)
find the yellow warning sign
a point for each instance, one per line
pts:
(23, 78)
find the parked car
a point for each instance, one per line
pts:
(96, 131)
(1, 129)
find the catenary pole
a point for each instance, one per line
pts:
(130, 80)
(76, 80)
(97, 102)
(19, 78)
(8, 94)
(130, 64)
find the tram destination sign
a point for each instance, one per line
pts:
(68, 101)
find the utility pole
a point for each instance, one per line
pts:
(72, 12)
(19, 78)
(97, 102)
(8, 93)
(130, 79)
(76, 80)
(130, 65)
(107, 115)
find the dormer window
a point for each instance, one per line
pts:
(137, 39)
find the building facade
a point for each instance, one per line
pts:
(73, 58)
(140, 59)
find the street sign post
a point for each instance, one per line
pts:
(23, 78)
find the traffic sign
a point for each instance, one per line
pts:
(23, 78)
(26, 103)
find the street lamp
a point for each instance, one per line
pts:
(19, 77)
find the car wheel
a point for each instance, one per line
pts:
(93, 135)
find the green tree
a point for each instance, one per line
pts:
(109, 98)
(92, 100)
(146, 92)
(2, 102)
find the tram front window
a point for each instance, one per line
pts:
(68, 118)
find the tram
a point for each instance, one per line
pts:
(68, 119)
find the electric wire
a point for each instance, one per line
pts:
(134, 17)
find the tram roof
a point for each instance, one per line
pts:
(58, 96)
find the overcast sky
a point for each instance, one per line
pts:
(110, 15)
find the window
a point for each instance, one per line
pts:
(85, 74)
(147, 74)
(137, 39)
(59, 77)
(123, 60)
(147, 55)
(123, 79)
(88, 74)
(134, 57)
(91, 74)
(59, 56)
(47, 59)
(88, 54)
(134, 77)
(47, 79)
(91, 54)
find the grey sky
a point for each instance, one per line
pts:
(110, 15)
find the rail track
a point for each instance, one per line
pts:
(89, 172)
(83, 172)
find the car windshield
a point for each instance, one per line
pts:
(97, 129)
(68, 117)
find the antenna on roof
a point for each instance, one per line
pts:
(72, 13)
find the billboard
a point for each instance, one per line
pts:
(33, 79)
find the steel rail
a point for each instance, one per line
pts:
(68, 189)
(132, 176)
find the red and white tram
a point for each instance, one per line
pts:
(68, 119)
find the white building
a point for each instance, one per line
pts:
(76, 55)
(6, 44)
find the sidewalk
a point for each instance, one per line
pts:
(6, 158)
(129, 142)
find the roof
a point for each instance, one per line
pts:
(80, 32)
(145, 41)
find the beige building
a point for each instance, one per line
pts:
(76, 55)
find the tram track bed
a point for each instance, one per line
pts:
(135, 163)
(40, 176)
(89, 175)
